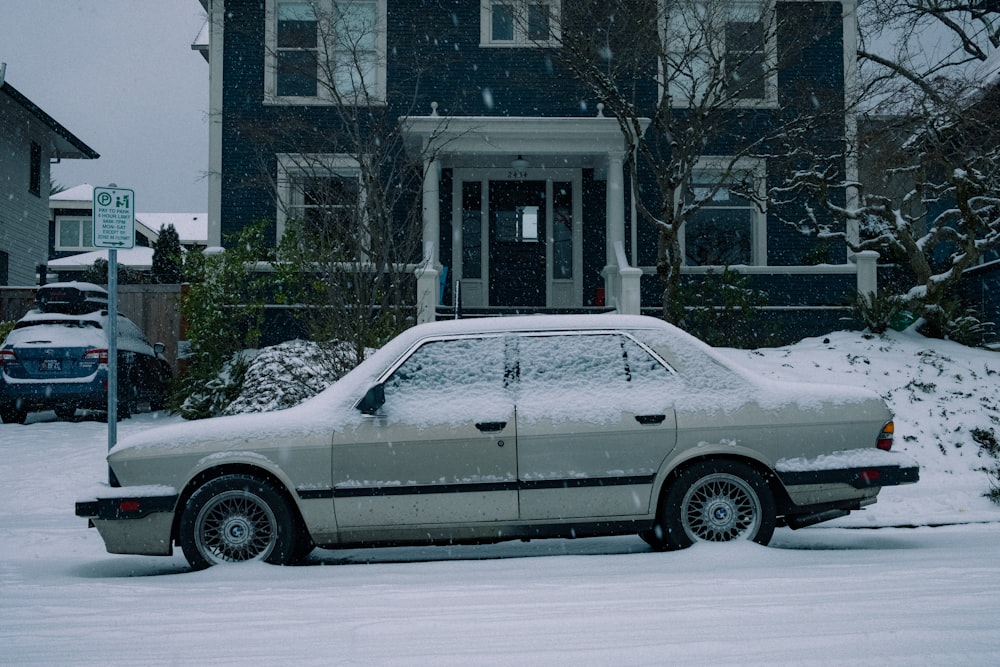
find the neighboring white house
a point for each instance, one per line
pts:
(72, 225)
(30, 140)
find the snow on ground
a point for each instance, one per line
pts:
(829, 594)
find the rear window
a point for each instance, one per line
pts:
(71, 324)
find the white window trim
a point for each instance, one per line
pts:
(324, 96)
(293, 165)
(83, 220)
(770, 99)
(745, 165)
(520, 40)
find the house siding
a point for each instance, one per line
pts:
(434, 56)
(24, 217)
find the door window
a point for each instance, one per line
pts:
(445, 381)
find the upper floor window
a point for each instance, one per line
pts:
(720, 51)
(519, 22)
(325, 51)
(728, 228)
(35, 170)
(73, 233)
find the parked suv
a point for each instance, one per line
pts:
(56, 358)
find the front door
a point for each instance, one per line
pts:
(517, 231)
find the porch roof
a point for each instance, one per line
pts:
(544, 141)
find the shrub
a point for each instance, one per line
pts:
(224, 311)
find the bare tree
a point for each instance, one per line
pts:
(348, 206)
(704, 75)
(931, 193)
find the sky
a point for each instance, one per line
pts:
(121, 76)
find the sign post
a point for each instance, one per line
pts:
(114, 229)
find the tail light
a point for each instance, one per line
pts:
(100, 356)
(7, 357)
(884, 440)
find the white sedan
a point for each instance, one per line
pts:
(506, 428)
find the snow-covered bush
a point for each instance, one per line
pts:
(284, 375)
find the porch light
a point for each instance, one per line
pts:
(519, 163)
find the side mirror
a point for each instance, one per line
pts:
(373, 400)
(158, 348)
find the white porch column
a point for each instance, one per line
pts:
(615, 221)
(428, 290)
(431, 196)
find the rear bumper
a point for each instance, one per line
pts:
(858, 478)
(88, 392)
(140, 523)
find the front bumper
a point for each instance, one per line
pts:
(137, 522)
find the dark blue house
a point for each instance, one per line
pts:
(525, 195)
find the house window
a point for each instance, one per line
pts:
(323, 193)
(720, 51)
(325, 52)
(35, 175)
(729, 227)
(519, 22)
(74, 233)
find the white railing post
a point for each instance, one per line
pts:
(629, 277)
(867, 263)
(428, 286)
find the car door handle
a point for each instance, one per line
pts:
(491, 427)
(650, 419)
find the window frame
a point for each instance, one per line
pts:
(35, 169)
(376, 93)
(85, 222)
(294, 166)
(716, 45)
(520, 38)
(753, 168)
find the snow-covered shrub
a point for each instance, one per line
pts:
(210, 397)
(5, 328)
(989, 447)
(284, 375)
(878, 312)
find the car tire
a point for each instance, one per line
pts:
(65, 412)
(11, 414)
(128, 401)
(715, 500)
(237, 518)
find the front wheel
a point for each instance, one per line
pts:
(237, 518)
(714, 501)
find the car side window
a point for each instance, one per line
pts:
(584, 376)
(443, 380)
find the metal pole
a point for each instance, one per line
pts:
(112, 347)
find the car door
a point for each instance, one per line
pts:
(440, 450)
(594, 423)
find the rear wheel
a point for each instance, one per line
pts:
(237, 518)
(714, 501)
(10, 413)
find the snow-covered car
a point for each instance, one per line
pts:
(59, 361)
(500, 429)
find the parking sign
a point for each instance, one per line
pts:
(114, 218)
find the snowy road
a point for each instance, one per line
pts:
(818, 596)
